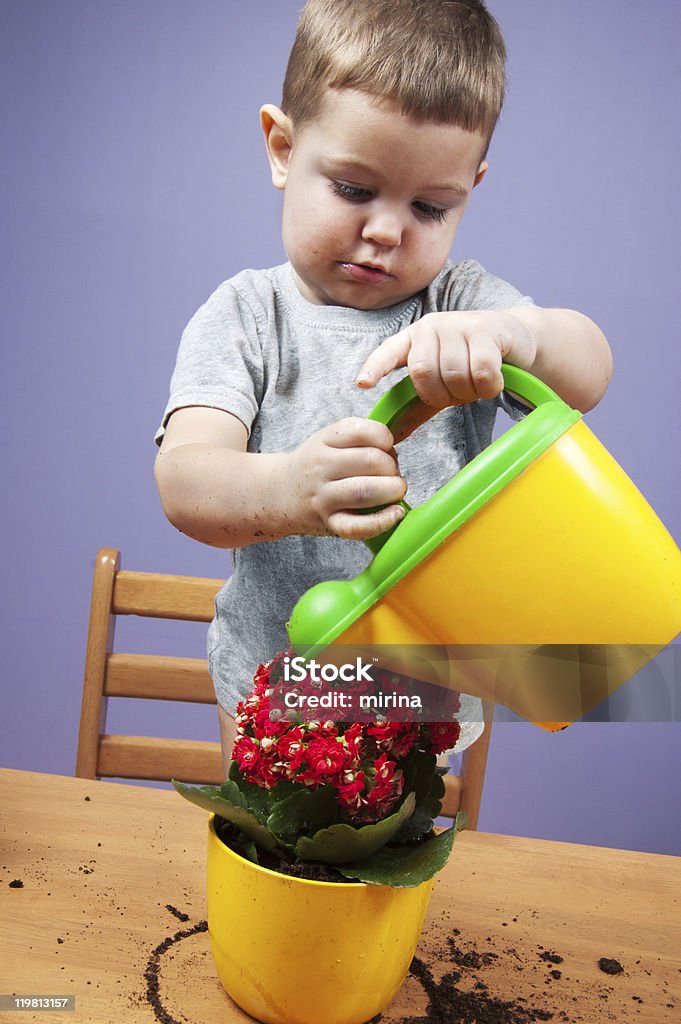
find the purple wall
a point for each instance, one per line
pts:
(136, 181)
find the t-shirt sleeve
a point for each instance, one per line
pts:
(468, 285)
(219, 361)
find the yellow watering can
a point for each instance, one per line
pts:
(538, 577)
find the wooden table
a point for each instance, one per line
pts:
(101, 862)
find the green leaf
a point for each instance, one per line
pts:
(424, 776)
(282, 790)
(211, 798)
(461, 821)
(428, 784)
(250, 850)
(303, 811)
(228, 802)
(404, 867)
(259, 799)
(256, 798)
(414, 829)
(340, 843)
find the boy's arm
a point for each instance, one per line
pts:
(572, 355)
(215, 491)
(455, 357)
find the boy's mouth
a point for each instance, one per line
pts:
(365, 273)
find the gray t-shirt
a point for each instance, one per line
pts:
(286, 368)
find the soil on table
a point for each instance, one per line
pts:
(153, 967)
(177, 913)
(449, 1004)
(464, 983)
(609, 966)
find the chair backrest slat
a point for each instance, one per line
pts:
(147, 757)
(165, 596)
(156, 677)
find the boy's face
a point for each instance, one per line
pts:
(372, 198)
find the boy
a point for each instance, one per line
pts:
(387, 112)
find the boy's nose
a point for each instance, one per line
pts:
(382, 226)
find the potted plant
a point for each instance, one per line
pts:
(321, 857)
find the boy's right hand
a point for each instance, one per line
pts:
(345, 467)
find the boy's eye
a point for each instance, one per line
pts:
(350, 192)
(355, 194)
(433, 212)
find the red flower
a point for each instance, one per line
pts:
(388, 784)
(246, 753)
(353, 738)
(363, 762)
(397, 738)
(441, 736)
(350, 791)
(265, 725)
(325, 759)
(383, 768)
(290, 750)
(267, 772)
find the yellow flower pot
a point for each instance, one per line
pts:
(292, 951)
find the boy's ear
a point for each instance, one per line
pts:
(482, 171)
(278, 132)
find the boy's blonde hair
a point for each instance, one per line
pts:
(441, 60)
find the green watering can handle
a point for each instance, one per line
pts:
(401, 398)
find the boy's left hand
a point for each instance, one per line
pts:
(454, 357)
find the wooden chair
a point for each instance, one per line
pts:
(109, 674)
